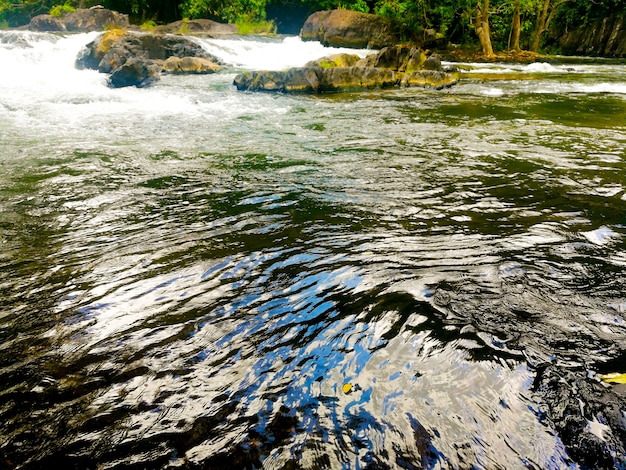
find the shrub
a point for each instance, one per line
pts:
(148, 25)
(248, 26)
(60, 10)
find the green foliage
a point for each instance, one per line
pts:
(224, 10)
(453, 18)
(248, 26)
(60, 10)
(408, 16)
(148, 25)
(356, 5)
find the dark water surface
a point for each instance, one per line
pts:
(189, 275)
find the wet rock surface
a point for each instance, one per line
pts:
(136, 72)
(113, 49)
(393, 66)
(587, 414)
(566, 357)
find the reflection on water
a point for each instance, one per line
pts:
(192, 289)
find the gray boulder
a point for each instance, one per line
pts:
(136, 72)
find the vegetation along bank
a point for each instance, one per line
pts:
(572, 27)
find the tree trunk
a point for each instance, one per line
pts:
(481, 25)
(544, 18)
(516, 26)
(540, 23)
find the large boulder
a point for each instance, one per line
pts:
(83, 20)
(46, 23)
(347, 28)
(398, 66)
(136, 72)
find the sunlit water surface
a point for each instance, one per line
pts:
(189, 274)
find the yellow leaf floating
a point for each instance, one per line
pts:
(347, 388)
(614, 377)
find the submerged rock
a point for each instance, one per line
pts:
(587, 414)
(394, 66)
(189, 65)
(83, 20)
(347, 28)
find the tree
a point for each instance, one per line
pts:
(545, 14)
(224, 10)
(481, 26)
(516, 27)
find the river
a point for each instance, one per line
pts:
(194, 277)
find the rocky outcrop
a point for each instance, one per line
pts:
(346, 28)
(83, 20)
(604, 38)
(397, 66)
(200, 27)
(112, 50)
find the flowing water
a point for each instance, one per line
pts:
(190, 275)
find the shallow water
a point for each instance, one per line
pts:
(190, 274)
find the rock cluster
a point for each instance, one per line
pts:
(136, 58)
(392, 66)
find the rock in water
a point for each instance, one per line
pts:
(135, 59)
(392, 66)
(111, 49)
(134, 72)
(189, 65)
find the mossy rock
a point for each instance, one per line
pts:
(107, 41)
(335, 60)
